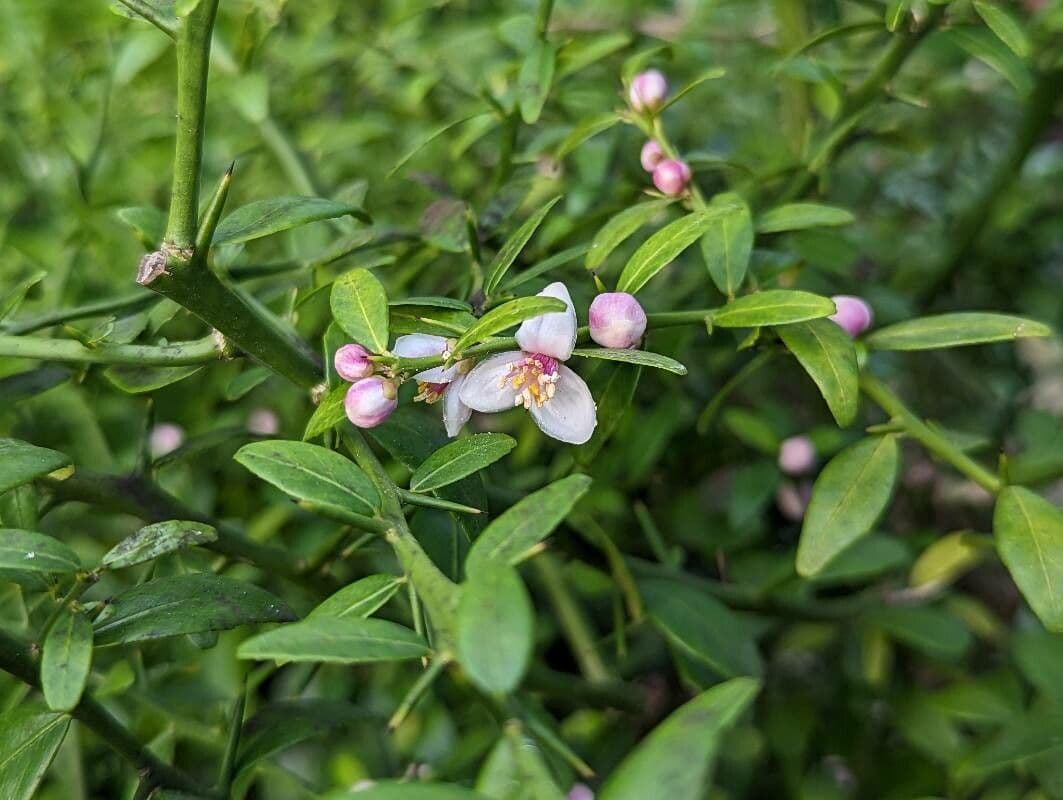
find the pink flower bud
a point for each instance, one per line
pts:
(854, 315)
(580, 791)
(651, 155)
(352, 362)
(165, 438)
(792, 500)
(648, 90)
(671, 177)
(797, 455)
(370, 401)
(264, 422)
(616, 320)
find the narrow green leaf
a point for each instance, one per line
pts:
(954, 330)
(948, 558)
(21, 462)
(986, 47)
(360, 307)
(147, 222)
(514, 244)
(619, 228)
(435, 134)
(931, 631)
(182, 604)
(664, 247)
(359, 599)
(848, 497)
(156, 540)
(433, 302)
(266, 217)
(643, 358)
(459, 459)
(507, 315)
(245, 382)
(13, 298)
(799, 216)
(1007, 28)
(536, 78)
(546, 265)
(281, 725)
(1029, 535)
(66, 658)
(1029, 735)
(710, 74)
(336, 640)
(587, 129)
(29, 740)
(526, 523)
(329, 413)
(23, 385)
(35, 552)
(407, 790)
(727, 243)
(676, 759)
(773, 307)
(495, 631)
(140, 379)
(311, 473)
(829, 357)
(895, 13)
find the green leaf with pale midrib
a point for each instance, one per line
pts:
(359, 599)
(35, 552)
(506, 316)
(21, 462)
(158, 539)
(266, 217)
(955, 330)
(799, 216)
(336, 640)
(664, 247)
(643, 358)
(514, 244)
(360, 307)
(1029, 537)
(773, 307)
(619, 228)
(727, 243)
(66, 658)
(460, 459)
(495, 628)
(29, 740)
(829, 357)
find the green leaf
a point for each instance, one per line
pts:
(954, 330)
(14, 297)
(773, 307)
(848, 497)
(329, 413)
(21, 462)
(182, 604)
(643, 358)
(459, 459)
(506, 316)
(526, 523)
(336, 640)
(664, 247)
(676, 759)
(829, 357)
(156, 540)
(139, 378)
(931, 631)
(986, 47)
(536, 77)
(433, 302)
(619, 228)
(29, 740)
(407, 790)
(587, 129)
(948, 558)
(435, 134)
(727, 242)
(359, 599)
(360, 307)
(312, 473)
(1029, 535)
(266, 217)
(147, 222)
(798, 216)
(710, 74)
(558, 259)
(284, 724)
(34, 552)
(23, 385)
(246, 381)
(700, 626)
(1007, 28)
(501, 263)
(866, 558)
(1032, 734)
(495, 630)
(66, 658)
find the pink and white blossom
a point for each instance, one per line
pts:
(648, 90)
(536, 378)
(438, 383)
(854, 315)
(616, 320)
(370, 401)
(671, 177)
(651, 155)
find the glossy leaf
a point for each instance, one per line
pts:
(506, 316)
(526, 523)
(828, 356)
(495, 631)
(512, 247)
(66, 657)
(621, 227)
(848, 497)
(359, 599)
(954, 330)
(281, 725)
(266, 217)
(642, 358)
(929, 630)
(182, 604)
(798, 216)
(727, 243)
(336, 640)
(141, 379)
(1029, 536)
(948, 558)
(460, 459)
(21, 462)
(159, 539)
(536, 77)
(34, 552)
(312, 473)
(29, 740)
(1004, 24)
(360, 307)
(663, 248)
(773, 307)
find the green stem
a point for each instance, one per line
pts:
(933, 441)
(575, 692)
(193, 58)
(81, 584)
(131, 302)
(572, 620)
(232, 745)
(430, 501)
(200, 351)
(347, 517)
(420, 686)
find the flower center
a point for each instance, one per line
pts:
(532, 379)
(429, 392)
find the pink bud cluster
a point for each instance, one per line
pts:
(371, 398)
(670, 175)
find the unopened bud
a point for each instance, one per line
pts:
(854, 315)
(651, 155)
(792, 500)
(370, 401)
(580, 791)
(165, 438)
(797, 455)
(671, 177)
(264, 422)
(616, 320)
(648, 90)
(352, 362)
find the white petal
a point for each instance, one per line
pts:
(455, 412)
(481, 391)
(570, 416)
(424, 345)
(552, 334)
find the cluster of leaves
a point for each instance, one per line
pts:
(316, 611)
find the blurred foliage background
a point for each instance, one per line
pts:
(879, 681)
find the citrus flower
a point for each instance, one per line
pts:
(438, 383)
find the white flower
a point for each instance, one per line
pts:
(438, 383)
(534, 377)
